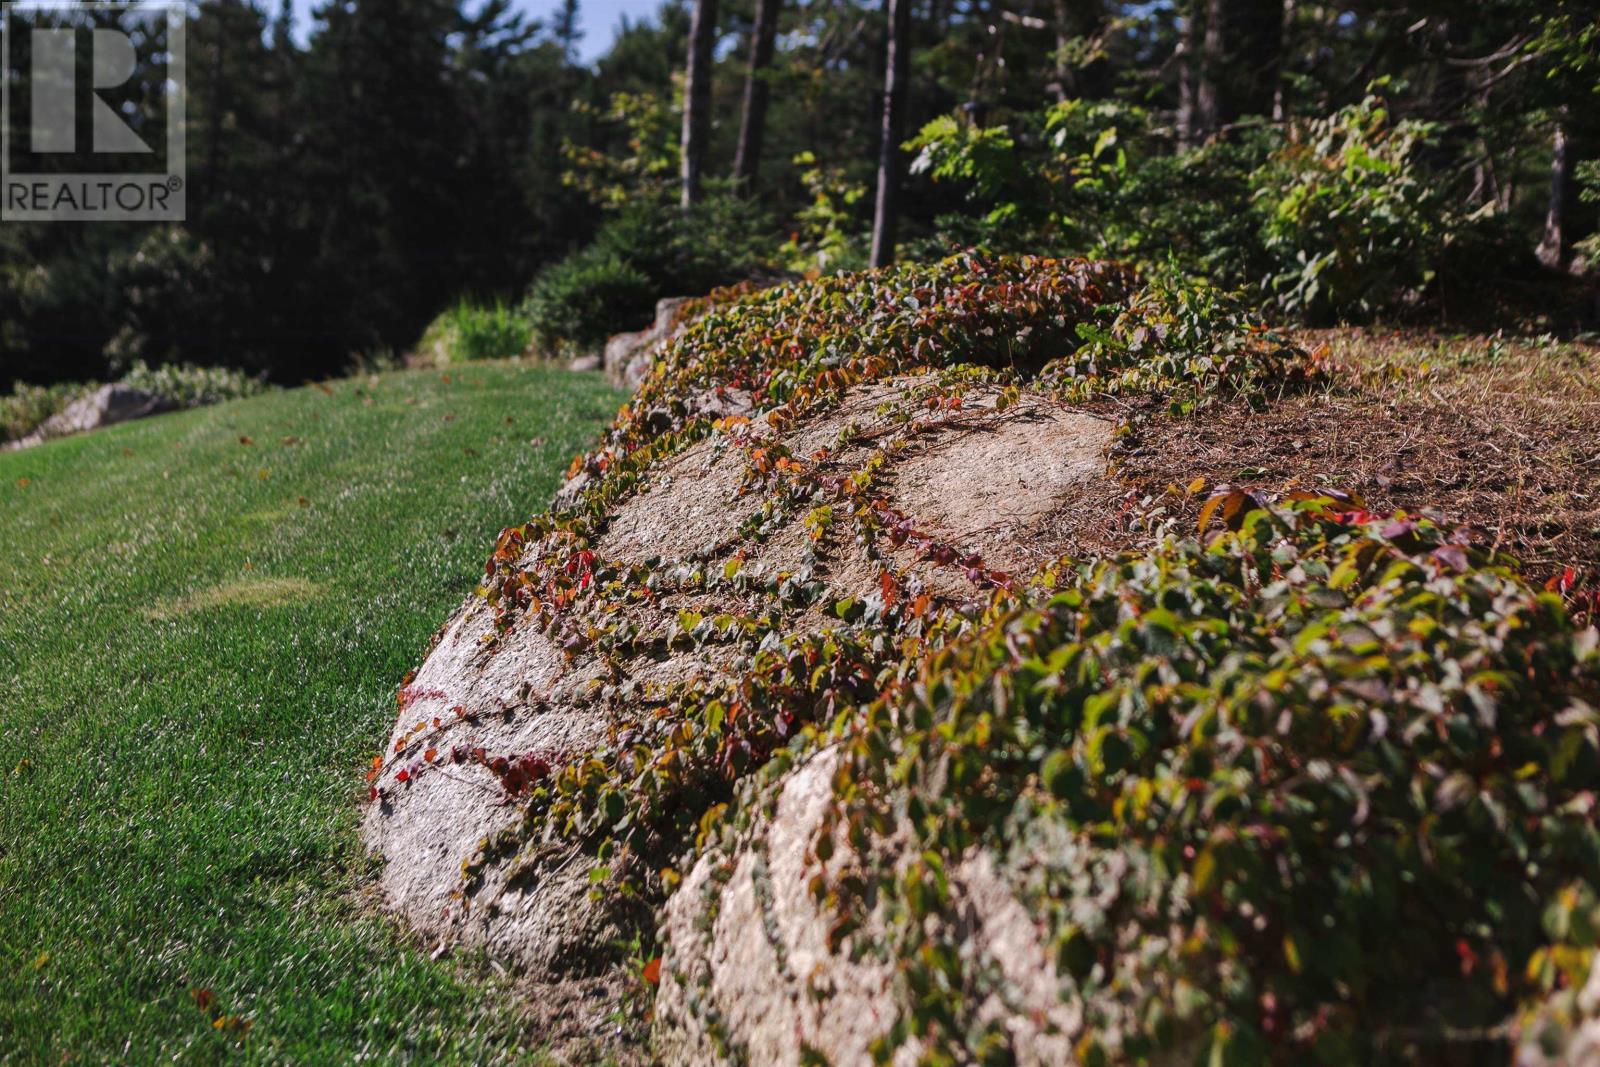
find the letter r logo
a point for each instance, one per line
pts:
(55, 91)
(92, 112)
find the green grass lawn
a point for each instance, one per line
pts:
(203, 618)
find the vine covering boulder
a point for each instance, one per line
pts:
(806, 665)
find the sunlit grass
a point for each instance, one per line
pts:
(202, 621)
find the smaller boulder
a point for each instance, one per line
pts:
(628, 355)
(105, 406)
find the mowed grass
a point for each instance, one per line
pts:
(203, 619)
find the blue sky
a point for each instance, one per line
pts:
(598, 18)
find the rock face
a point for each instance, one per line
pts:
(516, 697)
(627, 355)
(106, 406)
(749, 956)
(746, 944)
(991, 480)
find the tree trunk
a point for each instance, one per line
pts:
(1078, 19)
(1189, 56)
(886, 213)
(1209, 99)
(1236, 67)
(1062, 83)
(1552, 250)
(1286, 40)
(753, 119)
(697, 98)
(1255, 63)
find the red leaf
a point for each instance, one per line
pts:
(1563, 582)
(1469, 958)
(652, 971)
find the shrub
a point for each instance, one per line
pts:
(1588, 181)
(27, 406)
(1094, 178)
(647, 250)
(576, 304)
(1353, 225)
(1337, 219)
(185, 385)
(467, 331)
(166, 285)
(828, 232)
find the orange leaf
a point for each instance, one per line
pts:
(652, 971)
